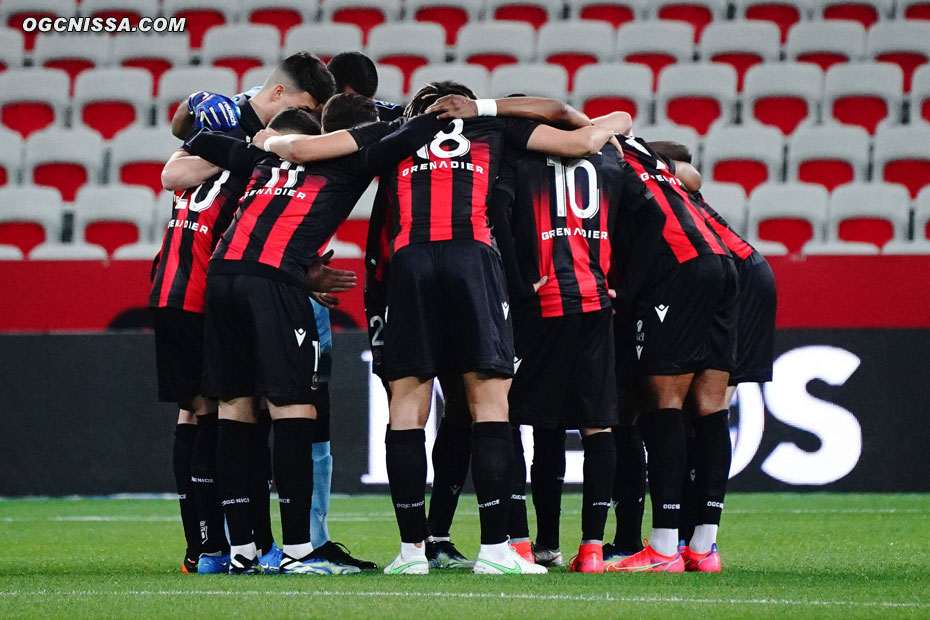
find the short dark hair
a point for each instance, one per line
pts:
(672, 150)
(347, 110)
(354, 70)
(295, 120)
(304, 71)
(433, 91)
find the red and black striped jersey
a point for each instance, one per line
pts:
(686, 234)
(739, 247)
(200, 215)
(562, 222)
(441, 191)
(289, 212)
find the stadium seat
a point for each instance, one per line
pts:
(492, 44)
(866, 12)
(614, 12)
(783, 95)
(920, 95)
(366, 14)
(176, 85)
(255, 76)
(72, 53)
(390, 84)
(575, 44)
(782, 13)
(63, 159)
(902, 155)
(748, 155)
(109, 100)
(534, 12)
(826, 43)
(864, 94)
(12, 49)
(241, 47)
(740, 44)
(407, 46)
(139, 154)
(450, 14)
(791, 215)
(603, 88)
(113, 216)
(29, 216)
(539, 80)
(655, 44)
(10, 252)
(673, 133)
(33, 99)
(907, 44)
(11, 156)
(281, 14)
(913, 9)
(154, 52)
(68, 251)
(475, 77)
(200, 16)
(921, 241)
(144, 250)
(13, 12)
(729, 200)
(698, 95)
(829, 155)
(354, 230)
(698, 13)
(873, 213)
(324, 40)
(119, 9)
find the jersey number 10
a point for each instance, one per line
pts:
(565, 185)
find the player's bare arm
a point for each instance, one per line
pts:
(182, 123)
(302, 149)
(184, 170)
(620, 122)
(576, 143)
(538, 109)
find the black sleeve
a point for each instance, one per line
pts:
(517, 131)
(499, 213)
(366, 135)
(391, 149)
(224, 151)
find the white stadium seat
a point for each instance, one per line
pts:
(538, 80)
(784, 95)
(324, 40)
(830, 155)
(491, 44)
(108, 100)
(475, 77)
(177, 84)
(602, 88)
(702, 95)
(747, 155)
(792, 201)
(64, 159)
(729, 200)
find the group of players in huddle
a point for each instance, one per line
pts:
(550, 270)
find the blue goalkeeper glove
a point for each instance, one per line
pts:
(216, 112)
(194, 100)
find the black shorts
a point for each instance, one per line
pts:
(685, 318)
(260, 339)
(375, 302)
(447, 312)
(756, 325)
(178, 355)
(564, 371)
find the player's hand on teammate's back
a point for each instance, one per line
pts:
(215, 112)
(259, 139)
(454, 106)
(325, 299)
(321, 278)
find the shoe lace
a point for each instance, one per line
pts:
(339, 550)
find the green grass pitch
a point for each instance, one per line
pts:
(785, 556)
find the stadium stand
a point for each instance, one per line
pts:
(476, 76)
(326, 40)
(111, 217)
(177, 84)
(110, 100)
(12, 49)
(729, 200)
(782, 13)
(29, 216)
(913, 9)
(13, 12)
(366, 14)
(119, 9)
(920, 95)
(534, 12)
(698, 13)
(390, 83)
(574, 44)
(699, 95)
(154, 52)
(200, 16)
(73, 53)
(281, 14)
(603, 88)
(138, 155)
(747, 156)
(616, 12)
(63, 159)
(793, 215)
(864, 94)
(407, 46)
(784, 95)
(241, 47)
(902, 156)
(538, 79)
(655, 44)
(493, 44)
(920, 244)
(873, 213)
(450, 14)
(829, 155)
(33, 99)
(740, 44)
(674, 133)
(866, 12)
(826, 43)
(11, 156)
(906, 44)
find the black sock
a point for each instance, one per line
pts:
(663, 433)
(185, 436)
(600, 461)
(712, 438)
(234, 464)
(629, 488)
(689, 502)
(492, 473)
(517, 526)
(206, 491)
(293, 475)
(451, 454)
(547, 474)
(261, 480)
(406, 469)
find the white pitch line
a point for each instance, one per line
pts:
(605, 598)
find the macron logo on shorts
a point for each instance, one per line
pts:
(661, 310)
(516, 364)
(301, 334)
(506, 307)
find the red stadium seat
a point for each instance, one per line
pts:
(366, 14)
(615, 13)
(324, 40)
(241, 47)
(113, 216)
(33, 99)
(139, 154)
(740, 44)
(829, 155)
(494, 44)
(864, 94)
(698, 13)
(29, 216)
(873, 213)
(656, 44)
(153, 52)
(575, 44)
(534, 12)
(747, 156)
(792, 215)
(914, 9)
(72, 53)
(200, 16)
(450, 14)
(109, 100)
(64, 159)
(826, 43)
(14, 12)
(698, 95)
(782, 13)
(119, 10)
(407, 46)
(783, 95)
(866, 12)
(282, 14)
(906, 44)
(902, 156)
(604, 88)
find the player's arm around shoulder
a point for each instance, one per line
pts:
(184, 170)
(576, 143)
(299, 148)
